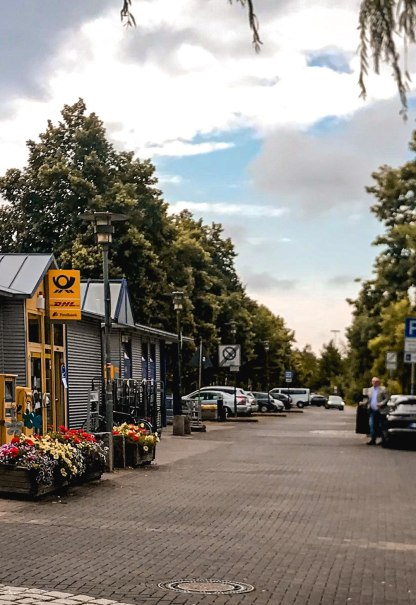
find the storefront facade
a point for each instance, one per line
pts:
(32, 347)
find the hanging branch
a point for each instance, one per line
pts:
(380, 21)
(253, 22)
(128, 19)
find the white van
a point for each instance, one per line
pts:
(300, 397)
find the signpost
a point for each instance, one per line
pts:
(410, 348)
(229, 356)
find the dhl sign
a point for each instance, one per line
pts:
(64, 295)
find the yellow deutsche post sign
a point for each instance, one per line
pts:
(64, 295)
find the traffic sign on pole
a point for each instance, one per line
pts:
(391, 360)
(288, 376)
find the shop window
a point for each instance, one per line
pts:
(58, 335)
(35, 332)
(127, 359)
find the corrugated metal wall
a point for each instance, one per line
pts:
(13, 335)
(136, 356)
(115, 348)
(84, 364)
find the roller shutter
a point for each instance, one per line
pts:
(13, 337)
(84, 364)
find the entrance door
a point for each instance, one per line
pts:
(59, 389)
(36, 384)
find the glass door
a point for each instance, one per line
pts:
(36, 385)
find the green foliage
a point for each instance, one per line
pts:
(74, 169)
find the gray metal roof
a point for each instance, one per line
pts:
(21, 274)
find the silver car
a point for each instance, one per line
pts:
(243, 404)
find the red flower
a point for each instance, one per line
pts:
(62, 428)
(29, 442)
(14, 451)
(15, 440)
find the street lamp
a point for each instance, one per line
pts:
(178, 419)
(233, 332)
(103, 230)
(267, 348)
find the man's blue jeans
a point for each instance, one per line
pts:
(375, 424)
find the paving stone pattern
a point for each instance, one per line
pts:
(299, 507)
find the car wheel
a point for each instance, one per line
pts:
(300, 404)
(227, 412)
(263, 408)
(326, 406)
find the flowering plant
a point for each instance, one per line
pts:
(59, 455)
(138, 434)
(23, 452)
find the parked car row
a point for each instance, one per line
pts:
(399, 423)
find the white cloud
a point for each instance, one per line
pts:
(226, 209)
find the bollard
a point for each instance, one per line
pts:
(220, 410)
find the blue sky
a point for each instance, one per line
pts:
(276, 146)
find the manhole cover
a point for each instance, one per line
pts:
(203, 586)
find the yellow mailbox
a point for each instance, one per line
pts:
(8, 407)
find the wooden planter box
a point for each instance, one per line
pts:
(136, 456)
(131, 454)
(20, 480)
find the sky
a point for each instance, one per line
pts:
(277, 146)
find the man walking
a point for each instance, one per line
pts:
(377, 400)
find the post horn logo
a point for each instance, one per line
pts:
(63, 283)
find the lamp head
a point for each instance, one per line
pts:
(178, 297)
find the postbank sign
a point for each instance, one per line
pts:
(64, 295)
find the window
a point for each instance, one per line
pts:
(58, 335)
(35, 332)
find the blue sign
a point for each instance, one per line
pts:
(288, 376)
(410, 327)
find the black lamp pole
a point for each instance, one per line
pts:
(104, 229)
(233, 330)
(266, 348)
(178, 298)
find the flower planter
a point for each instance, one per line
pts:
(137, 456)
(21, 481)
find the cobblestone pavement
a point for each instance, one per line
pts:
(298, 507)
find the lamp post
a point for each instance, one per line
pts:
(103, 230)
(178, 419)
(267, 348)
(233, 331)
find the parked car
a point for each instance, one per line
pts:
(336, 402)
(317, 399)
(400, 421)
(243, 404)
(283, 398)
(253, 401)
(299, 395)
(266, 403)
(208, 400)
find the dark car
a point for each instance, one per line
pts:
(285, 399)
(266, 403)
(318, 400)
(399, 423)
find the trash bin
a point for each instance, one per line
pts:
(220, 410)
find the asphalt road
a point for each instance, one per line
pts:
(297, 507)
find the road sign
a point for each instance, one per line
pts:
(391, 360)
(410, 327)
(409, 358)
(410, 345)
(234, 368)
(288, 376)
(229, 355)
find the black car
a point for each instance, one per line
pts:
(267, 403)
(318, 400)
(399, 423)
(285, 399)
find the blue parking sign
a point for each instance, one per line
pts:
(410, 327)
(288, 376)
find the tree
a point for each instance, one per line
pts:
(331, 368)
